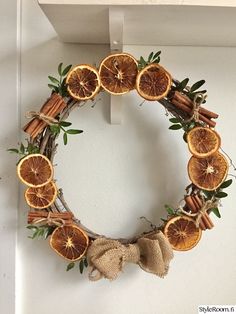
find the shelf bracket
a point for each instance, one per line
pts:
(116, 25)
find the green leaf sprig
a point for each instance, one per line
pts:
(58, 85)
(189, 91)
(82, 265)
(57, 128)
(170, 212)
(40, 231)
(152, 58)
(178, 124)
(217, 194)
(23, 150)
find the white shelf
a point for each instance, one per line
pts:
(223, 3)
(195, 23)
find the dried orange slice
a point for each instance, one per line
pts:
(153, 82)
(70, 242)
(35, 170)
(203, 142)
(83, 82)
(118, 73)
(208, 173)
(182, 233)
(41, 197)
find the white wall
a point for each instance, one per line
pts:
(113, 174)
(8, 138)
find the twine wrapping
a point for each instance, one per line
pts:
(59, 222)
(40, 115)
(199, 98)
(202, 211)
(107, 257)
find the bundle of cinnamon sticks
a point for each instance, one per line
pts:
(194, 204)
(185, 104)
(42, 215)
(51, 108)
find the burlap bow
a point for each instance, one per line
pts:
(107, 257)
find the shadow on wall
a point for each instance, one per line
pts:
(161, 165)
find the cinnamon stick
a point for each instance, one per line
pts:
(30, 126)
(187, 109)
(202, 225)
(205, 218)
(198, 200)
(198, 205)
(194, 203)
(209, 221)
(34, 216)
(190, 204)
(41, 124)
(52, 107)
(56, 107)
(188, 102)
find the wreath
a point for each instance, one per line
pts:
(49, 215)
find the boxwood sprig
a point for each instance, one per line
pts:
(83, 263)
(62, 126)
(58, 85)
(189, 91)
(40, 231)
(24, 150)
(152, 58)
(178, 124)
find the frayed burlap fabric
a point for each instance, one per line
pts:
(107, 257)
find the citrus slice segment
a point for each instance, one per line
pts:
(182, 233)
(70, 242)
(203, 142)
(118, 73)
(35, 170)
(83, 82)
(208, 173)
(153, 82)
(41, 197)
